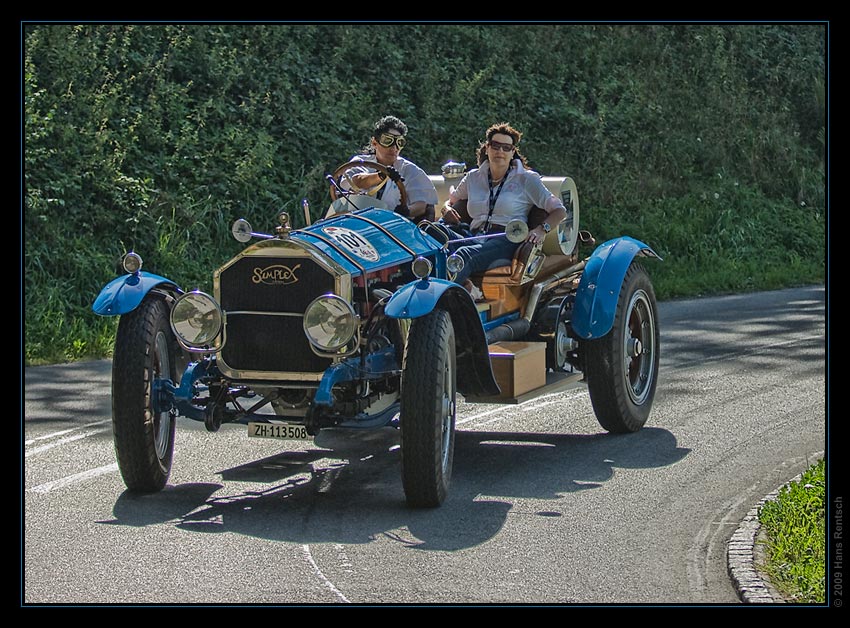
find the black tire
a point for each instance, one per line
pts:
(622, 367)
(429, 384)
(145, 349)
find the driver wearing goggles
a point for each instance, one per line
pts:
(389, 137)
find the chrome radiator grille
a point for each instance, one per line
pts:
(264, 299)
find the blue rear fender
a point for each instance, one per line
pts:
(421, 297)
(599, 288)
(124, 294)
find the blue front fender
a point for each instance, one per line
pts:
(123, 294)
(599, 288)
(418, 298)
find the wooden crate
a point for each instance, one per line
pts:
(518, 366)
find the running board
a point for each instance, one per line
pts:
(555, 382)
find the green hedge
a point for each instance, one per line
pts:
(706, 141)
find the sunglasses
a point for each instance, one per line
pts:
(501, 146)
(388, 139)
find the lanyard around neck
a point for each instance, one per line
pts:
(494, 197)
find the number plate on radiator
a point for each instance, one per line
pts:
(278, 430)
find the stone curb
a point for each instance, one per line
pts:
(742, 554)
(740, 558)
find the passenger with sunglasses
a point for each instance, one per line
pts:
(388, 139)
(501, 189)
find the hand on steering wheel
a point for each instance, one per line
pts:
(394, 175)
(388, 172)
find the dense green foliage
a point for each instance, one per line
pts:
(706, 141)
(795, 526)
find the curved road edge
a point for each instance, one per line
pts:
(742, 553)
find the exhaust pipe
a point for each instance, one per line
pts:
(512, 330)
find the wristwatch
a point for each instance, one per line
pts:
(546, 226)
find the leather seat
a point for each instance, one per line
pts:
(505, 287)
(525, 254)
(528, 258)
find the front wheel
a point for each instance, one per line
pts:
(622, 366)
(145, 351)
(429, 383)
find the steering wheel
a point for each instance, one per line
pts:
(367, 164)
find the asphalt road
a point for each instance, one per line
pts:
(544, 506)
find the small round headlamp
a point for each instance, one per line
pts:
(421, 267)
(453, 169)
(132, 262)
(196, 319)
(330, 322)
(454, 263)
(241, 230)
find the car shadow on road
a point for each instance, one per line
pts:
(351, 493)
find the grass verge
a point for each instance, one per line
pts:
(794, 524)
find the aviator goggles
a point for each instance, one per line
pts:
(388, 139)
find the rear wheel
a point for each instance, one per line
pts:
(559, 345)
(622, 366)
(429, 383)
(145, 350)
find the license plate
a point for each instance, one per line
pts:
(278, 430)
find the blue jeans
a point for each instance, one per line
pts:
(481, 255)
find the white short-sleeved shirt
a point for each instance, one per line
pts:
(416, 183)
(522, 190)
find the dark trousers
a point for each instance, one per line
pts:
(481, 255)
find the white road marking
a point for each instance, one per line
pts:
(531, 404)
(73, 479)
(478, 416)
(327, 583)
(47, 436)
(63, 432)
(63, 441)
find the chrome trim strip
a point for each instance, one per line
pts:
(252, 312)
(266, 376)
(334, 246)
(383, 229)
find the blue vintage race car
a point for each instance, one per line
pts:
(353, 321)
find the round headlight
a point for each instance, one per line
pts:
(132, 262)
(421, 267)
(196, 319)
(241, 230)
(454, 263)
(453, 169)
(330, 322)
